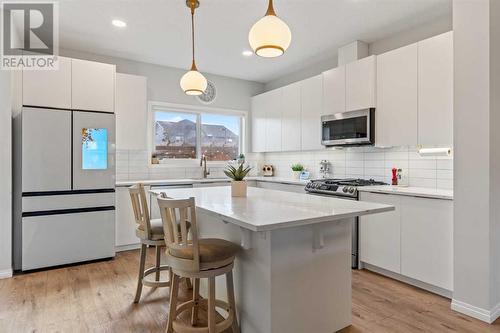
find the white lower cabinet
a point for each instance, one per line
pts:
(125, 221)
(415, 240)
(380, 234)
(211, 184)
(281, 187)
(427, 240)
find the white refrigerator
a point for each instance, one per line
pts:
(64, 187)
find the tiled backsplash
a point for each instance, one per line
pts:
(359, 162)
(134, 165)
(365, 162)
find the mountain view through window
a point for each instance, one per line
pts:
(176, 136)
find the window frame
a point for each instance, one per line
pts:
(156, 106)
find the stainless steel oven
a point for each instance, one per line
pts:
(349, 128)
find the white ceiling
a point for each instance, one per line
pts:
(158, 31)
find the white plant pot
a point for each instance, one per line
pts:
(239, 188)
(296, 175)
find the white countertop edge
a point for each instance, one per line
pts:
(289, 224)
(412, 191)
(188, 181)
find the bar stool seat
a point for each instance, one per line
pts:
(211, 250)
(156, 230)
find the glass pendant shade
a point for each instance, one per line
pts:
(270, 36)
(193, 83)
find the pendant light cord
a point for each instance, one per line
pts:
(193, 66)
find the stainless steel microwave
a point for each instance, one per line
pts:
(352, 128)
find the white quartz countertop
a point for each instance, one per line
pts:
(409, 191)
(208, 180)
(264, 209)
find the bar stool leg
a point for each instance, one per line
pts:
(189, 285)
(158, 257)
(196, 299)
(211, 304)
(141, 273)
(174, 290)
(232, 302)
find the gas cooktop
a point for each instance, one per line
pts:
(340, 187)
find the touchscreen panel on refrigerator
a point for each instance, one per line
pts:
(94, 148)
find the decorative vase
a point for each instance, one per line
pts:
(239, 188)
(296, 175)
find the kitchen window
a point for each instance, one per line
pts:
(192, 132)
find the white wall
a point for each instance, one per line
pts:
(495, 139)
(402, 38)
(5, 176)
(163, 82)
(477, 160)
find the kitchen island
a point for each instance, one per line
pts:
(294, 272)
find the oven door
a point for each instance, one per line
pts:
(349, 128)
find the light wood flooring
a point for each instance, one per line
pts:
(97, 297)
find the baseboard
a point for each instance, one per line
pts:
(127, 247)
(5, 273)
(476, 312)
(422, 285)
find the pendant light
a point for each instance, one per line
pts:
(270, 36)
(193, 82)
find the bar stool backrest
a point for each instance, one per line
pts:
(176, 214)
(140, 207)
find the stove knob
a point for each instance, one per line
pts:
(351, 190)
(344, 190)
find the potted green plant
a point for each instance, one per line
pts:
(297, 170)
(238, 183)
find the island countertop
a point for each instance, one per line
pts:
(265, 210)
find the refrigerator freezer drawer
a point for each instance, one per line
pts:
(68, 201)
(52, 240)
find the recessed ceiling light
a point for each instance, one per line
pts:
(247, 53)
(119, 23)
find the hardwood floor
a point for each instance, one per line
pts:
(97, 297)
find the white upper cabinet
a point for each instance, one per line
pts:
(435, 90)
(93, 86)
(290, 122)
(273, 120)
(311, 110)
(396, 114)
(334, 91)
(48, 88)
(258, 116)
(131, 112)
(361, 84)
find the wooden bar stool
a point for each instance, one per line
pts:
(150, 232)
(197, 259)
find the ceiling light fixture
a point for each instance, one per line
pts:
(270, 36)
(193, 82)
(247, 53)
(119, 23)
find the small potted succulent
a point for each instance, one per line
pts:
(297, 170)
(238, 183)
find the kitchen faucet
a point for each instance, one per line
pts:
(203, 163)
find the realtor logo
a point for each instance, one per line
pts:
(29, 35)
